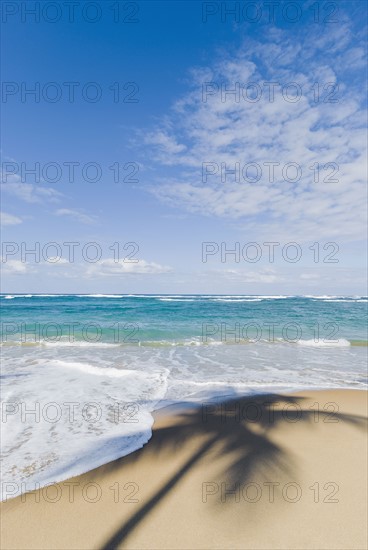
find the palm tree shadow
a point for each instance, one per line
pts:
(239, 429)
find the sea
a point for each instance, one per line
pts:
(82, 374)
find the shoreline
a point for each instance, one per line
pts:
(175, 408)
(196, 483)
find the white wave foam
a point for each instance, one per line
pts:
(279, 297)
(100, 295)
(326, 298)
(351, 301)
(61, 344)
(323, 297)
(238, 300)
(51, 295)
(79, 344)
(102, 413)
(340, 343)
(11, 296)
(110, 372)
(176, 300)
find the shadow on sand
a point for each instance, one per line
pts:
(240, 429)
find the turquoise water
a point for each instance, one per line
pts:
(160, 319)
(82, 374)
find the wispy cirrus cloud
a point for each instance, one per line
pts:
(317, 128)
(29, 192)
(13, 184)
(76, 215)
(9, 219)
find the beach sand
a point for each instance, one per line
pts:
(296, 464)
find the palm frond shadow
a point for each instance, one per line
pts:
(228, 431)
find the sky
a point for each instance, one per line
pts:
(184, 147)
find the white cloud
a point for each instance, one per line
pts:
(266, 275)
(15, 267)
(161, 139)
(121, 267)
(226, 130)
(309, 276)
(9, 219)
(31, 193)
(61, 268)
(76, 215)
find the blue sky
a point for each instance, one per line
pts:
(180, 134)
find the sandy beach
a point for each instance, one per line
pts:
(265, 472)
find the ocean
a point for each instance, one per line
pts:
(82, 374)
